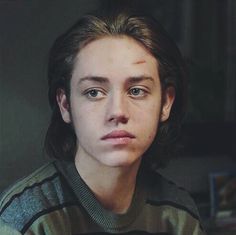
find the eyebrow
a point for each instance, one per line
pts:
(137, 79)
(93, 79)
(130, 80)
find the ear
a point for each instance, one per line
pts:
(64, 106)
(168, 100)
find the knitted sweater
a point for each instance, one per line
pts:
(54, 200)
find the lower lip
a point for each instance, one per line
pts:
(119, 140)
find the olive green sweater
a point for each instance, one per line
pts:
(54, 200)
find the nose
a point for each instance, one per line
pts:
(117, 109)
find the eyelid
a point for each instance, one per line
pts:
(143, 89)
(86, 93)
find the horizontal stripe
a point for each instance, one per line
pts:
(177, 206)
(135, 232)
(27, 188)
(44, 212)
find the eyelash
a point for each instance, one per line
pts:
(89, 95)
(143, 91)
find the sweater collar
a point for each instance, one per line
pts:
(96, 211)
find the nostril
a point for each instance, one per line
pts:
(123, 119)
(119, 119)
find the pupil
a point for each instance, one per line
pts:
(135, 91)
(93, 93)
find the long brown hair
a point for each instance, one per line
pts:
(60, 141)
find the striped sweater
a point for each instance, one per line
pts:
(54, 200)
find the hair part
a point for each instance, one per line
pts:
(60, 141)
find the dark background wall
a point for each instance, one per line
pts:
(28, 29)
(205, 32)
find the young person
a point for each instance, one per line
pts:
(116, 87)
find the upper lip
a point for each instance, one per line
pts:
(118, 134)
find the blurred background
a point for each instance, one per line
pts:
(205, 32)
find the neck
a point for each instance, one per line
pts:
(113, 186)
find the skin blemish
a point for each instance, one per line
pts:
(140, 62)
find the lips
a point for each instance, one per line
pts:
(118, 134)
(118, 137)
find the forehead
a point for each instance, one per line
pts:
(120, 55)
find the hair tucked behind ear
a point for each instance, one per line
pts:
(60, 140)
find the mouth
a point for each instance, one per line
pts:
(118, 137)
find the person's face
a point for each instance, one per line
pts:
(115, 103)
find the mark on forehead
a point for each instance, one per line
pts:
(140, 62)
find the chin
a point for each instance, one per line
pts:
(120, 160)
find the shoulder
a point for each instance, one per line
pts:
(172, 202)
(38, 178)
(165, 192)
(33, 196)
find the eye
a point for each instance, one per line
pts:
(94, 94)
(137, 92)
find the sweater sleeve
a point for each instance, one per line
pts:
(7, 230)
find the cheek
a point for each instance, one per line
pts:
(85, 120)
(150, 117)
(150, 123)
